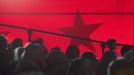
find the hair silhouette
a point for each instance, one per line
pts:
(72, 52)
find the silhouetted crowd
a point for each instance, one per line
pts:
(34, 59)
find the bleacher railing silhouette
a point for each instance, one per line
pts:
(29, 32)
(66, 13)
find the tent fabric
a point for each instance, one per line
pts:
(115, 16)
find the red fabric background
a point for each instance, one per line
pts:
(119, 27)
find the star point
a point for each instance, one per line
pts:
(79, 29)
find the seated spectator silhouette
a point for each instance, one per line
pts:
(17, 43)
(5, 57)
(72, 52)
(80, 67)
(125, 49)
(40, 41)
(33, 61)
(107, 57)
(129, 55)
(121, 67)
(57, 62)
(90, 56)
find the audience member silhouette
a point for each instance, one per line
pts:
(121, 67)
(80, 67)
(40, 41)
(111, 44)
(3, 42)
(90, 56)
(18, 42)
(107, 57)
(5, 57)
(129, 55)
(72, 52)
(57, 62)
(33, 60)
(125, 49)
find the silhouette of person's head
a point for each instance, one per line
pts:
(129, 54)
(56, 62)
(17, 43)
(33, 49)
(39, 41)
(3, 42)
(125, 49)
(121, 67)
(56, 56)
(80, 67)
(33, 60)
(111, 44)
(72, 52)
(56, 49)
(90, 56)
(74, 67)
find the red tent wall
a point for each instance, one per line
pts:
(118, 24)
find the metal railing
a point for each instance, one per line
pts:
(53, 33)
(66, 13)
